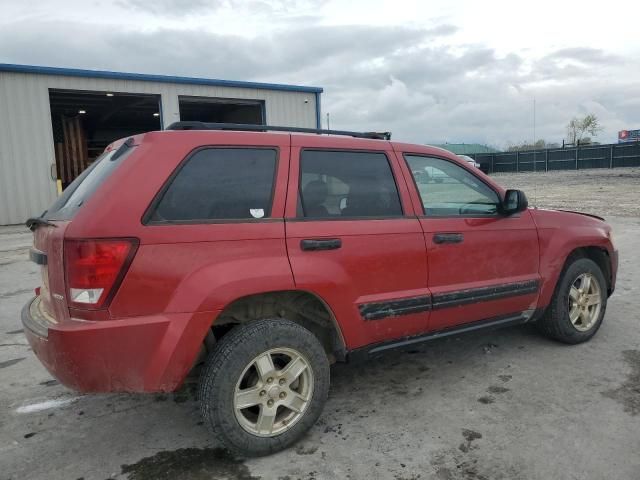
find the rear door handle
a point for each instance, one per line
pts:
(440, 238)
(320, 244)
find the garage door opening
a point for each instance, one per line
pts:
(221, 110)
(84, 123)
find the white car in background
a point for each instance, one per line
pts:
(435, 175)
(469, 160)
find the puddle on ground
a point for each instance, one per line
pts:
(628, 394)
(189, 464)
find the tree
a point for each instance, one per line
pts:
(524, 146)
(577, 127)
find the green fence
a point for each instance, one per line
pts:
(574, 158)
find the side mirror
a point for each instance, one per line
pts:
(514, 201)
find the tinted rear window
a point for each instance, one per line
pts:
(220, 184)
(86, 184)
(347, 184)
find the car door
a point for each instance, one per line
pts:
(354, 241)
(483, 265)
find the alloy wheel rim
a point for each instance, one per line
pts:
(273, 392)
(585, 302)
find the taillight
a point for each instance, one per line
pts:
(95, 268)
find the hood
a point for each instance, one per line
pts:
(567, 219)
(581, 213)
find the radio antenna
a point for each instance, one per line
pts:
(535, 170)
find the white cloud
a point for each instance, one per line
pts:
(458, 71)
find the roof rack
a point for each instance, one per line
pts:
(265, 128)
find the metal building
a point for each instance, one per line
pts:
(55, 121)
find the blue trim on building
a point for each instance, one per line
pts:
(143, 77)
(318, 114)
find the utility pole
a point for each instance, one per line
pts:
(328, 121)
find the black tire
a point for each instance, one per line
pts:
(227, 363)
(555, 322)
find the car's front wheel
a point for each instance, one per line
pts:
(264, 386)
(578, 305)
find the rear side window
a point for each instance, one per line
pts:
(86, 184)
(345, 184)
(220, 184)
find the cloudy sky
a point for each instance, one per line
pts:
(431, 72)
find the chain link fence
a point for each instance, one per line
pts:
(573, 158)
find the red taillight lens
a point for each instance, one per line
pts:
(95, 268)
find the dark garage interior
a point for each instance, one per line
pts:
(221, 110)
(84, 123)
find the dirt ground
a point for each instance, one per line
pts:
(603, 192)
(505, 405)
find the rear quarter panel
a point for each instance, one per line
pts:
(189, 267)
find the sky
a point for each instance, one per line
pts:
(435, 71)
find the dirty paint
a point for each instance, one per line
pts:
(189, 464)
(407, 306)
(395, 308)
(13, 361)
(628, 394)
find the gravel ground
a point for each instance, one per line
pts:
(602, 192)
(498, 405)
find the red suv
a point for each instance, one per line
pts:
(271, 255)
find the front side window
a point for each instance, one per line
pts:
(345, 184)
(447, 189)
(220, 184)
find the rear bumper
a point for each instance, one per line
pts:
(138, 354)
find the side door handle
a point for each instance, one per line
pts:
(311, 244)
(440, 238)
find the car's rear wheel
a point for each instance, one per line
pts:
(264, 386)
(578, 305)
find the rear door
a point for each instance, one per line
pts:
(353, 239)
(482, 264)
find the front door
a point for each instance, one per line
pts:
(482, 264)
(354, 240)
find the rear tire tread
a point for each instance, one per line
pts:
(224, 425)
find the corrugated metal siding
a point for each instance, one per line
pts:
(26, 137)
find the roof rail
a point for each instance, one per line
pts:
(265, 128)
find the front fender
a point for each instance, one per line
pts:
(561, 233)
